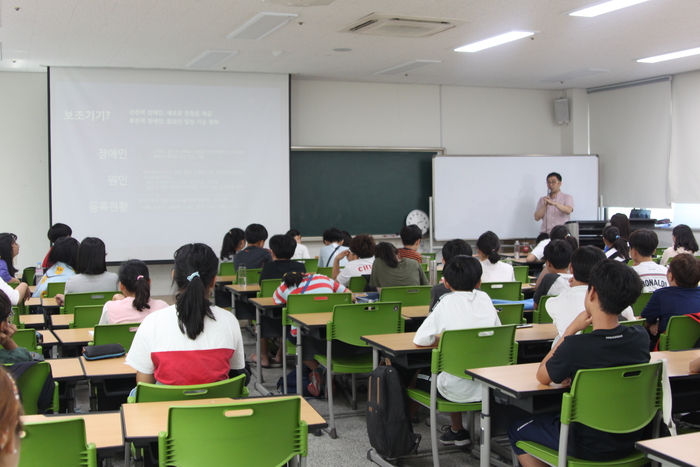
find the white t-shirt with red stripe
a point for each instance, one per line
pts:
(319, 284)
(161, 349)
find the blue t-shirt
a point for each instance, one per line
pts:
(671, 301)
(4, 272)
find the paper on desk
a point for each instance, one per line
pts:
(92, 333)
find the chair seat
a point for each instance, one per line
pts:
(349, 364)
(443, 405)
(550, 456)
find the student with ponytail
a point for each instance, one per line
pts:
(494, 270)
(134, 302)
(191, 342)
(615, 246)
(234, 241)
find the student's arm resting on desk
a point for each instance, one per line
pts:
(425, 336)
(695, 366)
(543, 376)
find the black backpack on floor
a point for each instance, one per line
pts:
(388, 421)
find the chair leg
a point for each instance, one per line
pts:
(563, 444)
(300, 364)
(433, 420)
(284, 359)
(329, 388)
(353, 403)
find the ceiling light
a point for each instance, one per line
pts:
(494, 41)
(606, 7)
(404, 67)
(573, 75)
(210, 59)
(671, 56)
(261, 25)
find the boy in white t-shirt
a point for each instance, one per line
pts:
(643, 243)
(360, 259)
(558, 257)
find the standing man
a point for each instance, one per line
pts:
(555, 208)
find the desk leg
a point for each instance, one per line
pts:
(300, 363)
(127, 454)
(258, 329)
(375, 357)
(485, 457)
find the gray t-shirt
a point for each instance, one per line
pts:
(105, 282)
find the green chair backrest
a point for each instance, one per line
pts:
(86, 316)
(682, 332)
(15, 319)
(502, 290)
(28, 275)
(243, 427)
(540, 315)
(416, 295)
(253, 276)
(26, 338)
(463, 349)
(115, 334)
(624, 323)
(659, 251)
(511, 313)
(57, 442)
(324, 271)
(351, 322)
(53, 288)
(357, 284)
(424, 266)
(313, 303)
(432, 255)
(311, 264)
(22, 308)
(13, 285)
(234, 387)
(638, 306)
(226, 269)
(522, 274)
(268, 287)
(30, 385)
(84, 299)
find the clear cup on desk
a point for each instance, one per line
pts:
(242, 276)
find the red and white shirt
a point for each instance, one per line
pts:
(161, 349)
(359, 267)
(319, 284)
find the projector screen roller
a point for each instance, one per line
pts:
(148, 160)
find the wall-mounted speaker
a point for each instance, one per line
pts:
(561, 110)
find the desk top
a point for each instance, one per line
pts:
(678, 361)
(683, 450)
(226, 278)
(250, 288)
(398, 343)
(146, 419)
(410, 312)
(49, 302)
(103, 429)
(107, 368)
(75, 336)
(538, 332)
(266, 302)
(31, 320)
(61, 320)
(312, 320)
(34, 301)
(49, 338)
(515, 380)
(66, 368)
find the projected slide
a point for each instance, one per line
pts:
(149, 160)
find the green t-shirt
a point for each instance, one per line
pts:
(407, 273)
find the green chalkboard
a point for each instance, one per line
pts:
(358, 191)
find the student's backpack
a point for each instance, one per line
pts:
(388, 421)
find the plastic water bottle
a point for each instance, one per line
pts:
(432, 272)
(38, 273)
(517, 249)
(242, 277)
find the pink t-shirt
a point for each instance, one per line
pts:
(123, 311)
(553, 216)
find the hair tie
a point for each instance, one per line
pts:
(192, 276)
(139, 278)
(616, 237)
(493, 251)
(568, 235)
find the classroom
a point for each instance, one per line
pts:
(499, 101)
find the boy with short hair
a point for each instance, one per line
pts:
(558, 257)
(612, 287)
(254, 256)
(464, 308)
(411, 236)
(300, 252)
(450, 249)
(55, 232)
(333, 239)
(643, 243)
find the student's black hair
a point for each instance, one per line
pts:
(387, 253)
(91, 256)
(410, 234)
(347, 238)
(195, 268)
(621, 221)
(489, 244)
(65, 250)
(57, 231)
(6, 242)
(644, 241)
(363, 246)
(582, 261)
(333, 235)
(612, 235)
(455, 247)
(541, 236)
(283, 246)
(255, 233)
(554, 174)
(558, 252)
(684, 238)
(293, 233)
(232, 239)
(560, 232)
(5, 307)
(463, 273)
(617, 285)
(133, 275)
(686, 270)
(293, 278)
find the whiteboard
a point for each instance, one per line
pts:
(473, 194)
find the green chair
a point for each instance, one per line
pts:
(115, 334)
(210, 435)
(511, 313)
(233, 388)
(502, 290)
(457, 351)
(590, 403)
(659, 251)
(540, 315)
(30, 385)
(357, 284)
(349, 324)
(324, 271)
(84, 299)
(57, 442)
(306, 303)
(13, 285)
(522, 274)
(226, 269)
(682, 332)
(15, 318)
(268, 287)
(638, 306)
(86, 316)
(417, 295)
(28, 276)
(27, 338)
(424, 266)
(252, 276)
(624, 323)
(311, 264)
(54, 288)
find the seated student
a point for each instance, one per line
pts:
(234, 241)
(682, 297)
(450, 249)
(10, 352)
(91, 268)
(300, 252)
(557, 255)
(55, 232)
(494, 269)
(537, 253)
(612, 287)
(615, 246)
(333, 239)
(643, 244)
(190, 342)
(622, 222)
(9, 249)
(464, 308)
(64, 256)
(16, 295)
(559, 232)
(411, 236)
(254, 256)
(360, 256)
(134, 302)
(389, 270)
(683, 242)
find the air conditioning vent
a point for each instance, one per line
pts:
(378, 24)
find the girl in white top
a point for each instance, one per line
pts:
(615, 246)
(494, 270)
(134, 302)
(683, 242)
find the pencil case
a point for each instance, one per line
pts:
(100, 352)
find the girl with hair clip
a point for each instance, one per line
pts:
(92, 270)
(10, 420)
(134, 302)
(388, 270)
(191, 342)
(683, 242)
(63, 255)
(9, 249)
(615, 246)
(234, 241)
(494, 270)
(622, 222)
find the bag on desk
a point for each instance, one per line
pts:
(100, 352)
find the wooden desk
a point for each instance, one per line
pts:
(678, 362)
(228, 279)
(49, 338)
(32, 288)
(108, 368)
(677, 451)
(103, 429)
(77, 336)
(61, 321)
(32, 321)
(49, 302)
(244, 289)
(33, 302)
(412, 312)
(684, 384)
(66, 369)
(264, 306)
